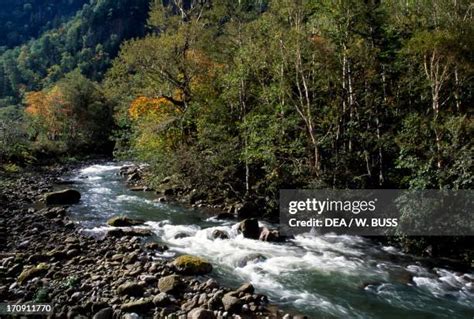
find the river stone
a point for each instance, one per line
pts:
(130, 289)
(14, 270)
(246, 289)
(219, 234)
(247, 209)
(161, 300)
(190, 304)
(249, 228)
(106, 313)
(200, 313)
(64, 197)
(192, 265)
(211, 284)
(231, 303)
(31, 273)
(215, 302)
(270, 235)
(123, 221)
(138, 306)
(170, 284)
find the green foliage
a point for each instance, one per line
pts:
(22, 20)
(89, 41)
(243, 98)
(71, 282)
(41, 295)
(302, 94)
(14, 143)
(71, 117)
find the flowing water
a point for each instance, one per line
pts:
(321, 276)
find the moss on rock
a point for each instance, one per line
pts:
(31, 273)
(192, 265)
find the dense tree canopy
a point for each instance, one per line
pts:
(243, 98)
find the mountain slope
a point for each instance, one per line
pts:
(89, 41)
(22, 20)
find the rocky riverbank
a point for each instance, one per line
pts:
(44, 258)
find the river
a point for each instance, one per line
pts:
(321, 276)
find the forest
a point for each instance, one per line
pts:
(240, 99)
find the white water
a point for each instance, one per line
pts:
(328, 276)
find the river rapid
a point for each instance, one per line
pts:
(326, 276)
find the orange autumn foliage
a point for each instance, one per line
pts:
(158, 107)
(47, 108)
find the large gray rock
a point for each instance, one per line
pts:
(231, 303)
(171, 284)
(64, 197)
(200, 313)
(246, 289)
(249, 228)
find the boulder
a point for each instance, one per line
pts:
(249, 228)
(161, 300)
(211, 284)
(138, 306)
(200, 313)
(31, 273)
(123, 221)
(270, 235)
(106, 313)
(219, 234)
(246, 289)
(216, 301)
(171, 284)
(64, 197)
(190, 304)
(245, 210)
(191, 265)
(231, 303)
(130, 289)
